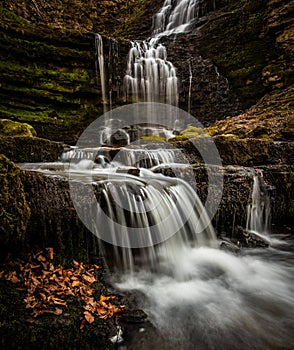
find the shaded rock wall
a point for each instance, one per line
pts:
(48, 78)
(14, 209)
(54, 221)
(250, 42)
(237, 52)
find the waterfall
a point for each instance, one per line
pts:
(160, 215)
(258, 212)
(101, 68)
(176, 16)
(190, 86)
(150, 77)
(144, 157)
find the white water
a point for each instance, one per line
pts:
(208, 299)
(258, 212)
(150, 77)
(176, 16)
(101, 68)
(198, 297)
(144, 157)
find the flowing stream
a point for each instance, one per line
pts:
(164, 247)
(195, 294)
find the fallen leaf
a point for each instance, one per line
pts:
(89, 317)
(41, 258)
(90, 279)
(82, 325)
(75, 283)
(50, 253)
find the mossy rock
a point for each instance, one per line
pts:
(190, 132)
(14, 210)
(30, 149)
(12, 128)
(153, 138)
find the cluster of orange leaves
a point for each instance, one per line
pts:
(47, 287)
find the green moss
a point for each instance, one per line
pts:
(5, 13)
(190, 132)
(11, 128)
(153, 138)
(235, 45)
(14, 210)
(44, 78)
(212, 130)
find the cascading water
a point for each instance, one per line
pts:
(197, 296)
(100, 67)
(145, 157)
(145, 212)
(150, 77)
(176, 16)
(258, 215)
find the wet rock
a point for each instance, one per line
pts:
(243, 152)
(227, 245)
(119, 138)
(30, 149)
(14, 208)
(254, 240)
(128, 170)
(134, 316)
(102, 160)
(253, 152)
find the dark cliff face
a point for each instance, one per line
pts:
(237, 52)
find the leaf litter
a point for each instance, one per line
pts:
(47, 287)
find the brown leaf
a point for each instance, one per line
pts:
(35, 281)
(43, 296)
(47, 311)
(82, 325)
(50, 253)
(89, 317)
(76, 264)
(75, 283)
(34, 266)
(89, 279)
(41, 258)
(58, 301)
(12, 277)
(103, 297)
(58, 311)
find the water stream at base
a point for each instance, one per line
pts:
(208, 299)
